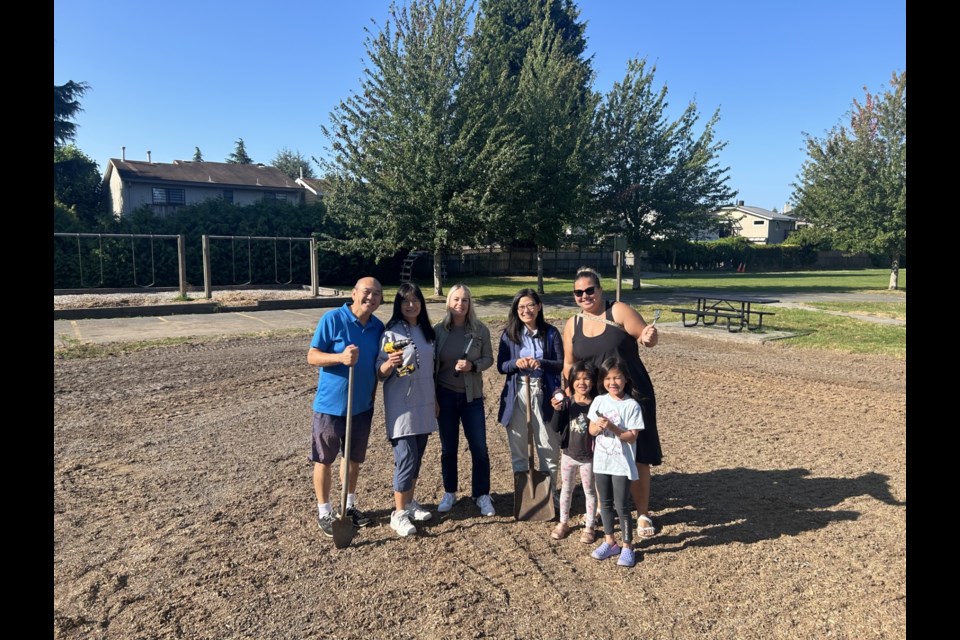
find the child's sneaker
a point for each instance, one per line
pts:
(605, 550)
(627, 558)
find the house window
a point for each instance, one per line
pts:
(760, 222)
(273, 195)
(169, 196)
(228, 195)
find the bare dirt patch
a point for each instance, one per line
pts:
(183, 508)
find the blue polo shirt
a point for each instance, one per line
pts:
(335, 331)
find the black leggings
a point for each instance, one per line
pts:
(614, 489)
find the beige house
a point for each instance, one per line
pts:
(754, 223)
(164, 187)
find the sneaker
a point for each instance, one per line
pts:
(627, 558)
(326, 524)
(485, 503)
(360, 519)
(418, 513)
(447, 502)
(605, 550)
(400, 522)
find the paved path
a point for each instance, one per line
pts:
(153, 327)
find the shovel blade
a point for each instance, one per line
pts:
(343, 531)
(533, 496)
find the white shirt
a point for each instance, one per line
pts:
(611, 455)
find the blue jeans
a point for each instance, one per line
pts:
(455, 409)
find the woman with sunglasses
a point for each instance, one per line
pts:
(530, 355)
(602, 330)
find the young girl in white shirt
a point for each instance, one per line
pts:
(615, 420)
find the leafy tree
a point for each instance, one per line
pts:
(534, 83)
(239, 155)
(292, 163)
(197, 156)
(658, 180)
(403, 173)
(854, 180)
(77, 184)
(66, 104)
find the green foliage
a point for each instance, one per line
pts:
(728, 253)
(77, 183)
(658, 180)
(197, 156)
(400, 175)
(239, 155)
(854, 179)
(292, 163)
(813, 238)
(66, 104)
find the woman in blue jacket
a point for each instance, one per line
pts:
(530, 351)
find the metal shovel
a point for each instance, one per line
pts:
(343, 528)
(532, 489)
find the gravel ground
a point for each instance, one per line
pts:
(93, 300)
(183, 508)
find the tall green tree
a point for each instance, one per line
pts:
(239, 155)
(854, 180)
(292, 163)
(658, 179)
(534, 83)
(197, 156)
(66, 105)
(405, 173)
(77, 184)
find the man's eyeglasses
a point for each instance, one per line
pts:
(589, 291)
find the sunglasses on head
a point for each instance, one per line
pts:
(589, 291)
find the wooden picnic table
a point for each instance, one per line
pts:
(735, 308)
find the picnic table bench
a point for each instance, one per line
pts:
(734, 308)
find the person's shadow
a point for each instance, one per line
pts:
(748, 505)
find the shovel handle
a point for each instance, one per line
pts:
(346, 445)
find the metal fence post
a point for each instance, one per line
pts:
(182, 260)
(206, 267)
(314, 275)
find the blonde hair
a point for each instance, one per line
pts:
(472, 323)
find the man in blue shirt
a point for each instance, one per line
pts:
(348, 336)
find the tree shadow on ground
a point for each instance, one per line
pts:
(750, 505)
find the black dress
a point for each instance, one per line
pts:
(615, 341)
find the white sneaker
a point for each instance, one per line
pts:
(418, 513)
(485, 502)
(400, 522)
(447, 502)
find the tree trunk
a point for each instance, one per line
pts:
(539, 269)
(894, 272)
(437, 273)
(636, 270)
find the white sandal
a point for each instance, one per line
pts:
(645, 528)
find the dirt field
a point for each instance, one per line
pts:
(183, 508)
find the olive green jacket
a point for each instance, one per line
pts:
(480, 355)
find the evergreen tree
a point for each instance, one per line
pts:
(292, 163)
(534, 89)
(197, 156)
(239, 155)
(66, 104)
(854, 181)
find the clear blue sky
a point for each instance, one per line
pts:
(170, 76)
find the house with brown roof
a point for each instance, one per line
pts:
(131, 184)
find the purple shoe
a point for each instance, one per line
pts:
(627, 558)
(605, 550)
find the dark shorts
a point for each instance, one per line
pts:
(330, 432)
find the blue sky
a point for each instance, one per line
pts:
(168, 77)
